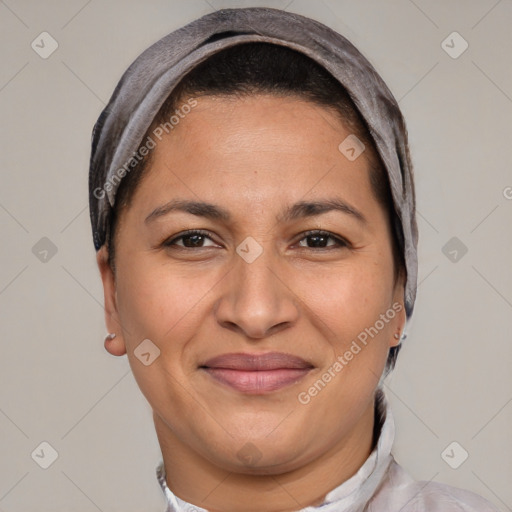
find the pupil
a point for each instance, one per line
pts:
(316, 237)
(197, 242)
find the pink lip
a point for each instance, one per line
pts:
(257, 373)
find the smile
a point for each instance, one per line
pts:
(257, 373)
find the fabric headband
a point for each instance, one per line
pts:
(150, 79)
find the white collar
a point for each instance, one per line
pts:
(352, 495)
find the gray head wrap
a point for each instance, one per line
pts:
(149, 80)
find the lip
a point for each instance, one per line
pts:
(257, 373)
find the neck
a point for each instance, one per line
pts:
(198, 481)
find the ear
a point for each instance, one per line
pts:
(117, 346)
(398, 306)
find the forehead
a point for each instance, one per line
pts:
(262, 148)
(231, 122)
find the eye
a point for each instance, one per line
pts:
(192, 239)
(320, 239)
(195, 239)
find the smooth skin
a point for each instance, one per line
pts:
(308, 296)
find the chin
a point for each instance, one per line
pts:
(261, 456)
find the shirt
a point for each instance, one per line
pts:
(380, 484)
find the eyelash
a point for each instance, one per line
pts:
(340, 242)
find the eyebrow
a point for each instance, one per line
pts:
(301, 209)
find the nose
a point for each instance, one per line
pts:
(257, 298)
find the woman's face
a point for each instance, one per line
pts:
(258, 324)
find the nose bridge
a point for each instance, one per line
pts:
(256, 269)
(257, 299)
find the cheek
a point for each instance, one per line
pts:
(346, 305)
(350, 297)
(163, 306)
(352, 307)
(161, 303)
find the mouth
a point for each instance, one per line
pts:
(257, 373)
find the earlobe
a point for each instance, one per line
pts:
(397, 339)
(398, 306)
(114, 344)
(399, 323)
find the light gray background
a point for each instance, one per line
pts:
(58, 384)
